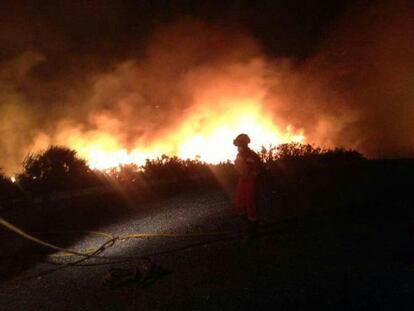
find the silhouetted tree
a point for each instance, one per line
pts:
(57, 168)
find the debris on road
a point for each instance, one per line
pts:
(140, 272)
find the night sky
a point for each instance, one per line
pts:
(105, 29)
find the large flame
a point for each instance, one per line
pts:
(205, 134)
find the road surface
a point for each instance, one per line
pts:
(330, 261)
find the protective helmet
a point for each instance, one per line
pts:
(241, 140)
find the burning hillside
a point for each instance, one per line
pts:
(205, 134)
(191, 85)
(178, 102)
(210, 143)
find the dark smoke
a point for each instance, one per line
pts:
(364, 73)
(355, 90)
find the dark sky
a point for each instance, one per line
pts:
(93, 31)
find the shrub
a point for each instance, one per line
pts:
(173, 168)
(57, 168)
(297, 151)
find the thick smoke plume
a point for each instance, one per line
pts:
(355, 91)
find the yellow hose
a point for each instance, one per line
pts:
(87, 253)
(92, 253)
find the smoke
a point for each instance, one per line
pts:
(16, 114)
(364, 80)
(355, 90)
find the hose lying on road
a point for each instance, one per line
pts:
(27, 236)
(89, 254)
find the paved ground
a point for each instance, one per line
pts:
(331, 261)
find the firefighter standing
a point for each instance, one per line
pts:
(248, 166)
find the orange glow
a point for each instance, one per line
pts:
(214, 141)
(206, 134)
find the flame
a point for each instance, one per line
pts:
(213, 143)
(205, 134)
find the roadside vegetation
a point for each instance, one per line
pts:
(60, 169)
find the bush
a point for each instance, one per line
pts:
(172, 168)
(57, 168)
(297, 151)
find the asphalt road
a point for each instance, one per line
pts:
(329, 261)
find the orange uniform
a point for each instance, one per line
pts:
(247, 165)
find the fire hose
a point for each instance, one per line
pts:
(111, 240)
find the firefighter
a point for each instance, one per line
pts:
(248, 167)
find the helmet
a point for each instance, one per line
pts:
(241, 140)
